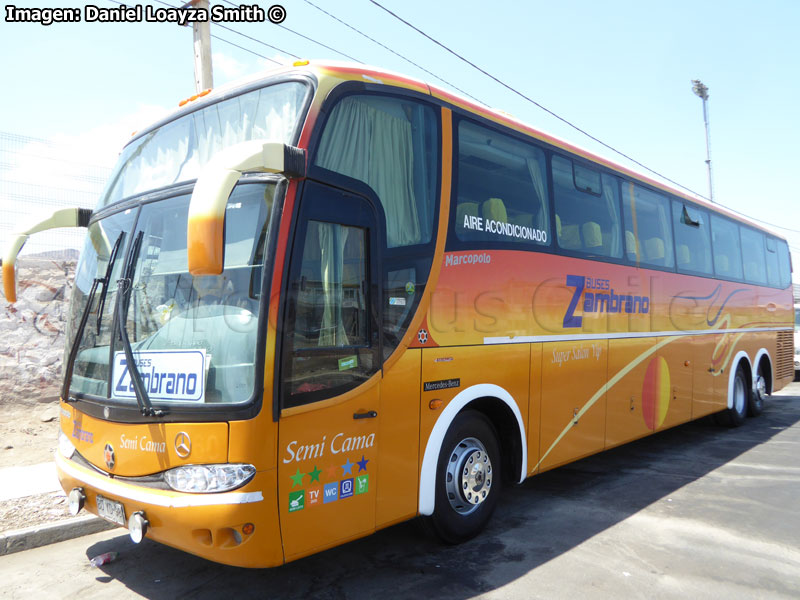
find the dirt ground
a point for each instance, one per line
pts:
(29, 433)
(29, 436)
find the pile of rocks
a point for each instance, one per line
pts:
(32, 331)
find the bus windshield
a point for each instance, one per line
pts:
(178, 150)
(193, 338)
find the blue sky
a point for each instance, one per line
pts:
(619, 69)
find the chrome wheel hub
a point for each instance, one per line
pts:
(469, 476)
(761, 387)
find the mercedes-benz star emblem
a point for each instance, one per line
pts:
(108, 455)
(183, 444)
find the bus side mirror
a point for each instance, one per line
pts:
(205, 233)
(65, 217)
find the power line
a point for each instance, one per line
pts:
(305, 37)
(216, 37)
(384, 46)
(531, 100)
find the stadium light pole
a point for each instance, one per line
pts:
(700, 90)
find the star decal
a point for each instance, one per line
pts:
(332, 472)
(362, 464)
(348, 467)
(314, 474)
(297, 478)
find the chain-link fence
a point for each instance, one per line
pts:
(38, 176)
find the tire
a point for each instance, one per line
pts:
(735, 416)
(468, 479)
(758, 394)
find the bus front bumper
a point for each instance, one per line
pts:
(237, 528)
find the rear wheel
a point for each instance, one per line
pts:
(758, 394)
(467, 479)
(735, 416)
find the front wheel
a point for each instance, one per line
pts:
(467, 479)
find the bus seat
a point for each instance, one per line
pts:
(592, 235)
(722, 263)
(522, 219)
(570, 237)
(683, 255)
(632, 247)
(465, 209)
(495, 209)
(654, 248)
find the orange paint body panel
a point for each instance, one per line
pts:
(206, 235)
(142, 449)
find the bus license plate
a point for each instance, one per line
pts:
(111, 510)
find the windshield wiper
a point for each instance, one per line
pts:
(124, 286)
(105, 280)
(73, 352)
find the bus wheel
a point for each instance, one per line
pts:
(758, 394)
(734, 416)
(467, 479)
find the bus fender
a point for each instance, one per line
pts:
(741, 355)
(427, 483)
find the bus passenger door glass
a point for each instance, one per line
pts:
(328, 440)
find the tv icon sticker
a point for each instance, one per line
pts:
(346, 489)
(314, 495)
(296, 501)
(330, 493)
(362, 484)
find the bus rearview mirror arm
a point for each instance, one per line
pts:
(65, 217)
(205, 233)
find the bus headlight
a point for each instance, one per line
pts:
(65, 446)
(209, 478)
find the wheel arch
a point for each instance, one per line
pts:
(741, 357)
(501, 409)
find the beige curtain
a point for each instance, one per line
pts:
(375, 147)
(332, 239)
(535, 169)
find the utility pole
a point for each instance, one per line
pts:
(701, 91)
(203, 78)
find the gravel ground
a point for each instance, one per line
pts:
(33, 510)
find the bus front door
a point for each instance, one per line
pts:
(330, 374)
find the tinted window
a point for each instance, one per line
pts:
(692, 239)
(502, 188)
(391, 145)
(784, 264)
(648, 237)
(587, 209)
(773, 271)
(753, 253)
(727, 252)
(328, 323)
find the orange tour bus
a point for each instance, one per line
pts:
(331, 298)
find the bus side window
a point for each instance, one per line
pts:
(726, 247)
(692, 239)
(587, 209)
(784, 265)
(753, 254)
(773, 276)
(648, 234)
(391, 145)
(501, 193)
